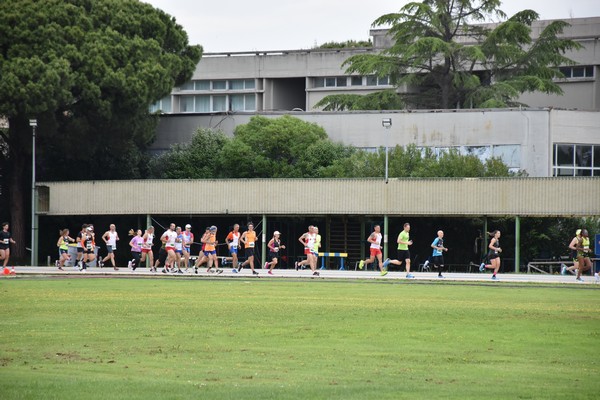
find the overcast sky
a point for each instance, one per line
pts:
(242, 25)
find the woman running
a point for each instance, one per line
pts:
(168, 238)
(5, 242)
(136, 248)
(274, 246)
(188, 239)
(110, 237)
(493, 254)
(583, 255)
(178, 250)
(63, 248)
(147, 247)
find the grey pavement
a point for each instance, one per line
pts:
(323, 274)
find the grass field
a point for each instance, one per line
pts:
(274, 339)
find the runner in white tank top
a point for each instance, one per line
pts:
(375, 250)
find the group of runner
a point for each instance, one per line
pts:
(581, 255)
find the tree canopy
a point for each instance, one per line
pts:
(87, 70)
(447, 58)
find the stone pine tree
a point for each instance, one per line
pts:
(445, 57)
(87, 70)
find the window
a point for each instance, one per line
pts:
(163, 105)
(356, 81)
(188, 86)
(202, 85)
(186, 104)
(219, 103)
(341, 81)
(576, 160)
(236, 85)
(319, 82)
(219, 85)
(243, 102)
(330, 82)
(371, 80)
(578, 71)
(249, 84)
(202, 104)
(383, 81)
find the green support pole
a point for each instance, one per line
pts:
(36, 234)
(148, 223)
(517, 243)
(362, 235)
(385, 236)
(264, 240)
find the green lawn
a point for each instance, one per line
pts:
(89, 338)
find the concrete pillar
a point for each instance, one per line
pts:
(386, 226)
(264, 240)
(517, 243)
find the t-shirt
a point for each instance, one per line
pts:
(377, 244)
(137, 242)
(233, 238)
(437, 243)
(4, 238)
(317, 243)
(405, 237)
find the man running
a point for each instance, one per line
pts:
(169, 238)
(248, 239)
(188, 239)
(202, 258)
(375, 250)
(110, 237)
(573, 247)
(437, 257)
(233, 244)
(308, 240)
(210, 249)
(403, 252)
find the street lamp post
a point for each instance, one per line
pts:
(387, 124)
(33, 124)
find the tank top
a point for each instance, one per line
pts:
(64, 245)
(209, 245)
(250, 239)
(149, 239)
(585, 243)
(496, 245)
(234, 238)
(310, 241)
(112, 239)
(377, 244)
(137, 244)
(179, 242)
(171, 237)
(88, 242)
(188, 238)
(276, 245)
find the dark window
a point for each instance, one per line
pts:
(597, 157)
(583, 156)
(589, 71)
(583, 172)
(578, 72)
(342, 81)
(356, 80)
(564, 154)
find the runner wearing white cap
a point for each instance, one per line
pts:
(188, 239)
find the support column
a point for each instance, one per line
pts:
(385, 236)
(517, 243)
(362, 236)
(36, 234)
(264, 241)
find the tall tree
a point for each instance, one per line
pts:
(447, 58)
(87, 70)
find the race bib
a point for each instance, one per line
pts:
(251, 244)
(88, 245)
(6, 241)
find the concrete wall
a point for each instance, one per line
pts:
(534, 131)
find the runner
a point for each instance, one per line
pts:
(573, 247)
(274, 245)
(5, 241)
(375, 250)
(79, 262)
(210, 250)
(168, 238)
(147, 252)
(248, 239)
(63, 248)
(233, 244)
(202, 258)
(583, 255)
(317, 245)
(403, 252)
(493, 254)
(308, 240)
(89, 246)
(136, 243)
(188, 239)
(162, 258)
(110, 237)
(178, 251)
(437, 257)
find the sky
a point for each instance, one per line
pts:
(242, 25)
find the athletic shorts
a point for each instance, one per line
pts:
(307, 251)
(109, 248)
(375, 252)
(146, 250)
(4, 246)
(169, 248)
(80, 249)
(273, 255)
(249, 252)
(88, 252)
(233, 250)
(403, 255)
(63, 251)
(492, 255)
(437, 260)
(179, 251)
(209, 252)
(187, 249)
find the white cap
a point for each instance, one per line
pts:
(188, 226)
(276, 233)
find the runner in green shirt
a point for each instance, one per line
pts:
(403, 252)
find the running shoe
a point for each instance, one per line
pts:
(495, 278)
(60, 268)
(254, 273)
(426, 264)
(410, 276)
(270, 272)
(361, 264)
(386, 263)
(115, 268)
(563, 270)
(441, 276)
(482, 267)
(597, 277)
(579, 280)
(129, 264)
(316, 273)
(196, 270)
(296, 265)
(266, 265)
(219, 271)
(164, 270)
(179, 271)
(384, 272)
(235, 271)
